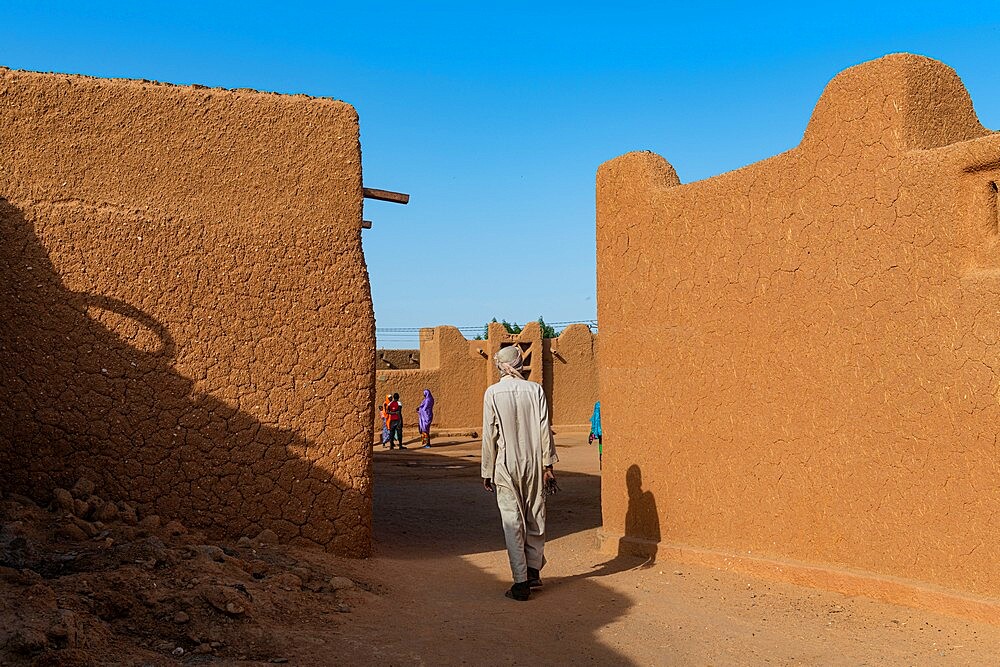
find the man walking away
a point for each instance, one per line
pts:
(518, 454)
(395, 411)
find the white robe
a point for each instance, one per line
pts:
(517, 445)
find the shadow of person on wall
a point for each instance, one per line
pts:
(637, 547)
(642, 521)
(89, 388)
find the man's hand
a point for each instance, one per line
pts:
(549, 481)
(488, 485)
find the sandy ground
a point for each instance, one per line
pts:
(132, 592)
(441, 560)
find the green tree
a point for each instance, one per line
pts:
(548, 331)
(512, 328)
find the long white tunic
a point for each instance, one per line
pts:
(517, 445)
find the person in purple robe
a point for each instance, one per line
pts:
(426, 415)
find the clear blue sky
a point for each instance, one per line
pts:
(495, 116)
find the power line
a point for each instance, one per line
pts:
(478, 327)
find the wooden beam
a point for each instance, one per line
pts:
(387, 195)
(366, 224)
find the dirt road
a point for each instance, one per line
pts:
(150, 594)
(443, 568)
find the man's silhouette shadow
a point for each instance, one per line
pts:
(637, 547)
(642, 521)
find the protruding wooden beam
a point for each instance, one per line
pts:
(387, 195)
(366, 224)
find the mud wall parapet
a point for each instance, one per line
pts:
(812, 339)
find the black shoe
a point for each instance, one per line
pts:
(520, 592)
(534, 578)
(401, 447)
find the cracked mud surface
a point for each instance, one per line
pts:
(185, 314)
(800, 356)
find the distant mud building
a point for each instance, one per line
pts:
(798, 359)
(185, 315)
(457, 371)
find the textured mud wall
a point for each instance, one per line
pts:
(452, 369)
(813, 340)
(457, 371)
(185, 315)
(397, 359)
(573, 371)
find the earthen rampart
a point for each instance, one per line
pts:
(457, 371)
(185, 315)
(798, 359)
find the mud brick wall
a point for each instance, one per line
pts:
(457, 371)
(185, 315)
(397, 359)
(571, 363)
(453, 369)
(798, 359)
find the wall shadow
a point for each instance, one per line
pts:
(89, 389)
(641, 518)
(636, 549)
(429, 505)
(430, 510)
(451, 612)
(437, 441)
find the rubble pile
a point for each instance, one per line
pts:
(88, 581)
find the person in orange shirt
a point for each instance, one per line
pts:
(395, 421)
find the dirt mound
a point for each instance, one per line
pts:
(88, 581)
